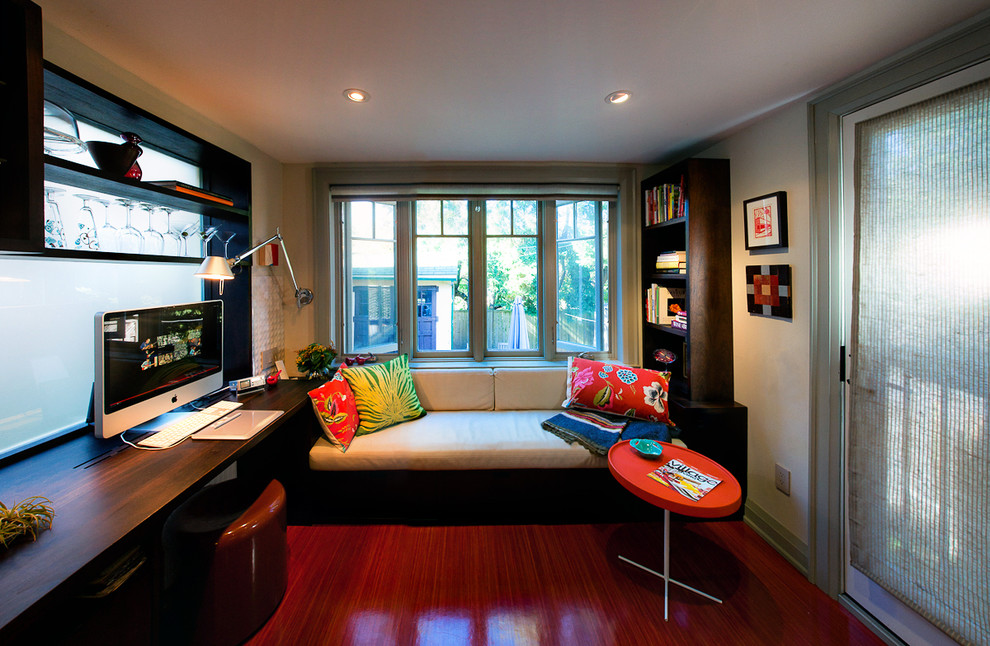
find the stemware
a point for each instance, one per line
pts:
(54, 231)
(108, 234)
(131, 240)
(154, 241)
(173, 241)
(85, 232)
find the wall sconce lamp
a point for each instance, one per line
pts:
(217, 268)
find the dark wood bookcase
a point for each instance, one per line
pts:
(701, 388)
(703, 370)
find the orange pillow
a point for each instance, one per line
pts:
(335, 408)
(631, 392)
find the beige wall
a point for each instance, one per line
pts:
(772, 356)
(266, 172)
(298, 228)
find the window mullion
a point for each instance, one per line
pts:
(405, 276)
(599, 319)
(342, 272)
(478, 278)
(548, 227)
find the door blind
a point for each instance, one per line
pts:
(919, 438)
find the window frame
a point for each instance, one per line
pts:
(407, 288)
(330, 181)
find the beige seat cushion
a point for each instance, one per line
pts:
(530, 388)
(455, 389)
(453, 440)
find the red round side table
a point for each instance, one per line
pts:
(631, 470)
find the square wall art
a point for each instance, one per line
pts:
(768, 290)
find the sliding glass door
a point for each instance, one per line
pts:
(916, 178)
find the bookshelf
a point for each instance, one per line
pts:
(703, 370)
(701, 387)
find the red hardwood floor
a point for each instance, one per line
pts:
(552, 585)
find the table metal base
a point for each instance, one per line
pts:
(666, 568)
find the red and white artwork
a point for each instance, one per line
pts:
(763, 222)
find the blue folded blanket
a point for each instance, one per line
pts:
(597, 432)
(594, 432)
(638, 428)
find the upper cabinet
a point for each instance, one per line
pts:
(21, 98)
(223, 173)
(60, 196)
(187, 186)
(686, 251)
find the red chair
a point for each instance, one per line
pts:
(238, 541)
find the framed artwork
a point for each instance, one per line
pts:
(768, 290)
(766, 221)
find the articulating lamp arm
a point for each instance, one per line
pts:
(303, 296)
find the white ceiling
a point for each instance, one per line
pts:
(493, 80)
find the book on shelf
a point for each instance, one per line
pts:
(196, 191)
(672, 256)
(664, 202)
(663, 303)
(684, 479)
(679, 322)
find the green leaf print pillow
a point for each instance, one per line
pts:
(384, 394)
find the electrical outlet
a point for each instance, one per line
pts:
(782, 479)
(267, 359)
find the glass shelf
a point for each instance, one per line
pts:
(62, 171)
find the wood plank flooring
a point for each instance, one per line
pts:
(551, 585)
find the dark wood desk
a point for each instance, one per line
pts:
(108, 496)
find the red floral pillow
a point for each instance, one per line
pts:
(334, 406)
(631, 392)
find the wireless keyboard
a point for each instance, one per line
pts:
(177, 431)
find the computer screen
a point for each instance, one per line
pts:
(152, 360)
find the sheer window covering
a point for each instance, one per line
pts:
(919, 442)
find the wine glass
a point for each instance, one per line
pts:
(131, 240)
(173, 241)
(154, 241)
(54, 231)
(87, 238)
(108, 234)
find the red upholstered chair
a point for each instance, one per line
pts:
(239, 541)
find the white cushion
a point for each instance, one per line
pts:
(454, 440)
(530, 388)
(455, 389)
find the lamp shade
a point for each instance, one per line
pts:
(214, 268)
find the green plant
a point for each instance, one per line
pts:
(315, 359)
(29, 517)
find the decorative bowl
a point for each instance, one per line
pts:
(115, 159)
(647, 448)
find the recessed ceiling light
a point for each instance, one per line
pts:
(356, 95)
(619, 96)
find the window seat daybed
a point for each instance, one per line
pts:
(478, 455)
(478, 418)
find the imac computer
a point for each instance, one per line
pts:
(152, 360)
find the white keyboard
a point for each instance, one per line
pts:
(178, 431)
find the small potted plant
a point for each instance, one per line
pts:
(26, 519)
(315, 360)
